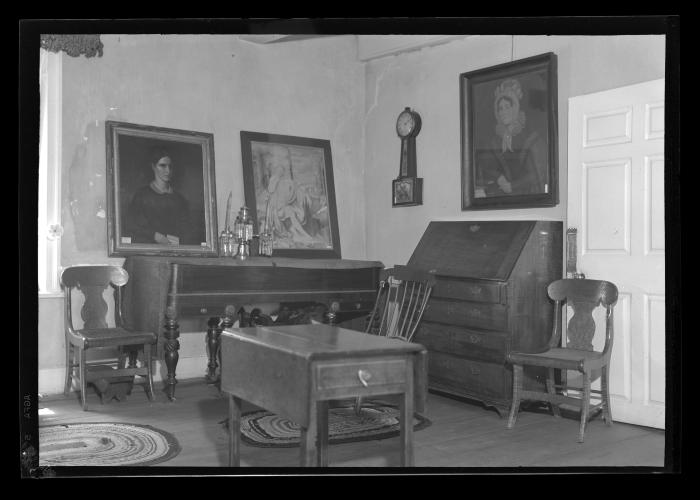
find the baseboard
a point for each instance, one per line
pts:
(51, 379)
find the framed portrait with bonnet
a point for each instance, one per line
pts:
(509, 135)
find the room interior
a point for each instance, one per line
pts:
(347, 90)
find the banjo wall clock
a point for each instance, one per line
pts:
(407, 188)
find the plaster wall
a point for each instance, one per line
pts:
(427, 80)
(207, 83)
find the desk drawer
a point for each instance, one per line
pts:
(463, 342)
(469, 378)
(346, 375)
(474, 314)
(469, 290)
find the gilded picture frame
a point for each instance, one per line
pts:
(161, 191)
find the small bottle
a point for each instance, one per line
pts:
(255, 246)
(223, 243)
(247, 221)
(238, 229)
(229, 243)
(265, 240)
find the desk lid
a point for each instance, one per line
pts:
(471, 249)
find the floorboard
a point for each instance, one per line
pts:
(462, 435)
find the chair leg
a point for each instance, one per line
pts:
(83, 379)
(551, 391)
(358, 405)
(69, 368)
(585, 404)
(517, 386)
(149, 376)
(607, 411)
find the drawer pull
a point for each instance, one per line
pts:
(364, 376)
(203, 310)
(475, 370)
(474, 339)
(475, 290)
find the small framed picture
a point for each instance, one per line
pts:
(160, 191)
(407, 191)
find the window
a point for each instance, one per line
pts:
(49, 221)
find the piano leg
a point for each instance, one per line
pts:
(172, 346)
(213, 343)
(226, 322)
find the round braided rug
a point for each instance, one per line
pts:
(105, 443)
(376, 421)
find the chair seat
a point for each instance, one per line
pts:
(108, 337)
(568, 359)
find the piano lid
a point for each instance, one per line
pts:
(471, 249)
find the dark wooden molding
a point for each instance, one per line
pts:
(73, 45)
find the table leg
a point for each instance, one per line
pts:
(234, 431)
(308, 439)
(406, 422)
(171, 346)
(322, 416)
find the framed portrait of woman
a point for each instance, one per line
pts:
(161, 193)
(288, 184)
(509, 135)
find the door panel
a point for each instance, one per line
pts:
(616, 200)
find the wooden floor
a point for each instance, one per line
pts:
(462, 435)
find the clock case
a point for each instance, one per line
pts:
(407, 188)
(406, 191)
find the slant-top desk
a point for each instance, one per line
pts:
(163, 289)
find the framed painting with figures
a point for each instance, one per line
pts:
(161, 193)
(509, 135)
(288, 182)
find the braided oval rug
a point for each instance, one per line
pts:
(105, 443)
(376, 421)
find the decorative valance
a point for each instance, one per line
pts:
(73, 45)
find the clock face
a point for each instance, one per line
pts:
(405, 124)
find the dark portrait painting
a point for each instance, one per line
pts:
(161, 183)
(509, 119)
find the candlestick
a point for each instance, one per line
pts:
(228, 211)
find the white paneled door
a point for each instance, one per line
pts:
(616, 200)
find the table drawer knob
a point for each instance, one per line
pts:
(364, 376)
(203, 310)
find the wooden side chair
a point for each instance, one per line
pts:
(402, 296)
(95, 334)
(575, 353)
